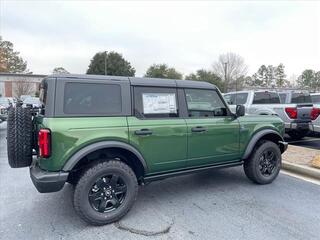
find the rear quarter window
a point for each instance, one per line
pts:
(92, 98)
(301, 97)
(315, 98)
(266, 98)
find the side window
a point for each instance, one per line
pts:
(204, 103)
(91, 98)
(155, 102)
(229, 98)
(236, 98)
(265, 98)
(274, 98)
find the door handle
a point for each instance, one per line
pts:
(143, 132)
(199, 129)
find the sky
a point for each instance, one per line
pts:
(186, 35)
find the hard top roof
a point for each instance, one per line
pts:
(139, 81)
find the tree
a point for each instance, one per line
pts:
(260, 77)
(280, 76)
(59, 70)
(10, 60)
(162, 71)
(207, 76)
(112, 62)
(23, 87)
(308, 79)
(230, 67)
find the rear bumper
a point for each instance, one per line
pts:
(46, 182)
(299, 126)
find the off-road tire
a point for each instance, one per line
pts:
(296, 136)
(251, 165)
(19, 137)
(81, 201)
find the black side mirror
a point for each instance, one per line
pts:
(240, 110)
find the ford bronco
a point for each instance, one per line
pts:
(107, 135)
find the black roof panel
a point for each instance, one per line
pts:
(138, 81)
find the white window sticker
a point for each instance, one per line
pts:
(159, 103)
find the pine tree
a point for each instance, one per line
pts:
(280, 76)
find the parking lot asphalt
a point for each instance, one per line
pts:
(217, 204)
(308, 142)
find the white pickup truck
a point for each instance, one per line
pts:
(316, 112)
(294, 109)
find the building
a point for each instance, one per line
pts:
(16, 84)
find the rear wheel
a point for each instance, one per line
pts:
(105, 192)
(264, 164)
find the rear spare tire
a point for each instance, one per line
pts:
(19, 137)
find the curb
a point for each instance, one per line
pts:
(301, 169)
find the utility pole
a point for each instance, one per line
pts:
(105, 62)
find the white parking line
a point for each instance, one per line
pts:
(301, 177)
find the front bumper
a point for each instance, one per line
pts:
(45, 181)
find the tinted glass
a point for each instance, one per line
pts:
(236, 98)
(43, 91)
(274, 98)
(153, 102)
(315, 98)
(301, 97)
(204, 103)
(92, 98)
(265, 98)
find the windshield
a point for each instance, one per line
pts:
(301, 97)
(236, 98)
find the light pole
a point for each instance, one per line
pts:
(105, 62)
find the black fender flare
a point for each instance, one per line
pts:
(257, 136)
(74, 159)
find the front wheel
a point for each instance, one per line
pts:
(105, 192)
(264, 164)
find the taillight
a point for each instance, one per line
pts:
(44, 143)
(315, 112)
(291, 112)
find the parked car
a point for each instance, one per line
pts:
(106, 135)
(316, 112)
(23, 97)
(4, 105)
(293, 109)
(32, 101)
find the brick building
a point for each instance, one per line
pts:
(15, 84)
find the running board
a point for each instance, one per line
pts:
(189, 171)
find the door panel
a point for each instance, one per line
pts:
(217, 144)
(162, 142)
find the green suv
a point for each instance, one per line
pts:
(106, 135)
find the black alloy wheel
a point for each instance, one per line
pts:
(268, 162)
(108, 193)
